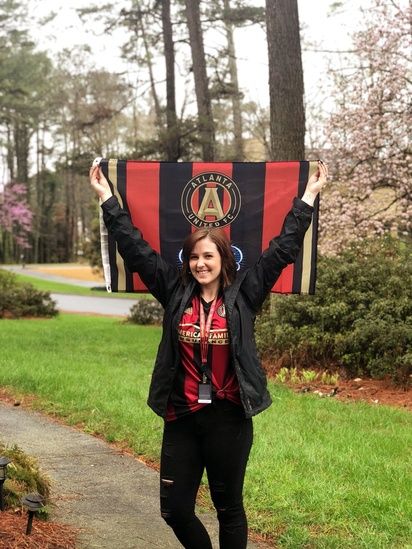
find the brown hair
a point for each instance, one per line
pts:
(218, 236)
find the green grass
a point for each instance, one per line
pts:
(332, 475)
(90, 370)
(322, 474)
(72, 289)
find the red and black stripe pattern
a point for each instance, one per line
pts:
(249, 200)
(184, 397)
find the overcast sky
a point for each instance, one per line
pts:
(329, 32)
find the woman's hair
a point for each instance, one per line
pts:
(218, 236)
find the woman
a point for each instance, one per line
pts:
(207, 381)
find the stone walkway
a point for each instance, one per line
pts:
(111, 497)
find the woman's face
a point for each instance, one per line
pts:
(205, 263)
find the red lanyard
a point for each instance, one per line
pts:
(205, 329)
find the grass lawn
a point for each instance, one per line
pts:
(72, 289)
(322, 474)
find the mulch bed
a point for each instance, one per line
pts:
(372, 391)
(45, 534)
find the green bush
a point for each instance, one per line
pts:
(360, 318)
(146, 311)
(19, 299)
(23, 477)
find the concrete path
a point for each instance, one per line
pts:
(80, 304)
(112, 497)
(93, 305)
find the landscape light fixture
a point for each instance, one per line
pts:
(34, 502)
(3, 475)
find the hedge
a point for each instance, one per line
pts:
(359, 320)
(19, 299)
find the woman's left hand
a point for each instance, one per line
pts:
(316, 183)
(99, 183)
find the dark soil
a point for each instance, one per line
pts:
(372, 391)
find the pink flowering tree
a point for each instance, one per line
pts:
(15, 221)
(370, 154)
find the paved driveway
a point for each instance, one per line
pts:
(77, 303)
(94, 305)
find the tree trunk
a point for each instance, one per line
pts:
(204, 106)
(36, 206)
(158, 110)
(172, 143)
(10, 153)
(21, 147)
(287, 115)
(236, 105)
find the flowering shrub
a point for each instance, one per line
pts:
(360, 319)
(368, 151)
(15, 218)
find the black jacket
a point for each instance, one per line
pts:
(243, 300)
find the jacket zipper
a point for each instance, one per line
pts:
(243, 396)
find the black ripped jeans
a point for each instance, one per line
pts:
(218, 437)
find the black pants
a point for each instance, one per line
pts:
(218, 437)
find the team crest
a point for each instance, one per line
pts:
(221, 311)
(211, 199)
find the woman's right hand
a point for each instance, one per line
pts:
(99, 183)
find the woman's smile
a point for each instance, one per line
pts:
(205, 263)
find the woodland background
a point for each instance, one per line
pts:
(57, 115)
(349, 484)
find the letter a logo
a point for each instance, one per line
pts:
(210, 205)
(219, 204)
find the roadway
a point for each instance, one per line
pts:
(77, 303)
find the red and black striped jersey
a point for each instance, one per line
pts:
(184, 396)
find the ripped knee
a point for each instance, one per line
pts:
(166, 515)
(165, 485)
(231, 515)
(173, 510)
(226, 507)
(167, 482)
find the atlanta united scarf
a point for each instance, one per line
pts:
(249, 200)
